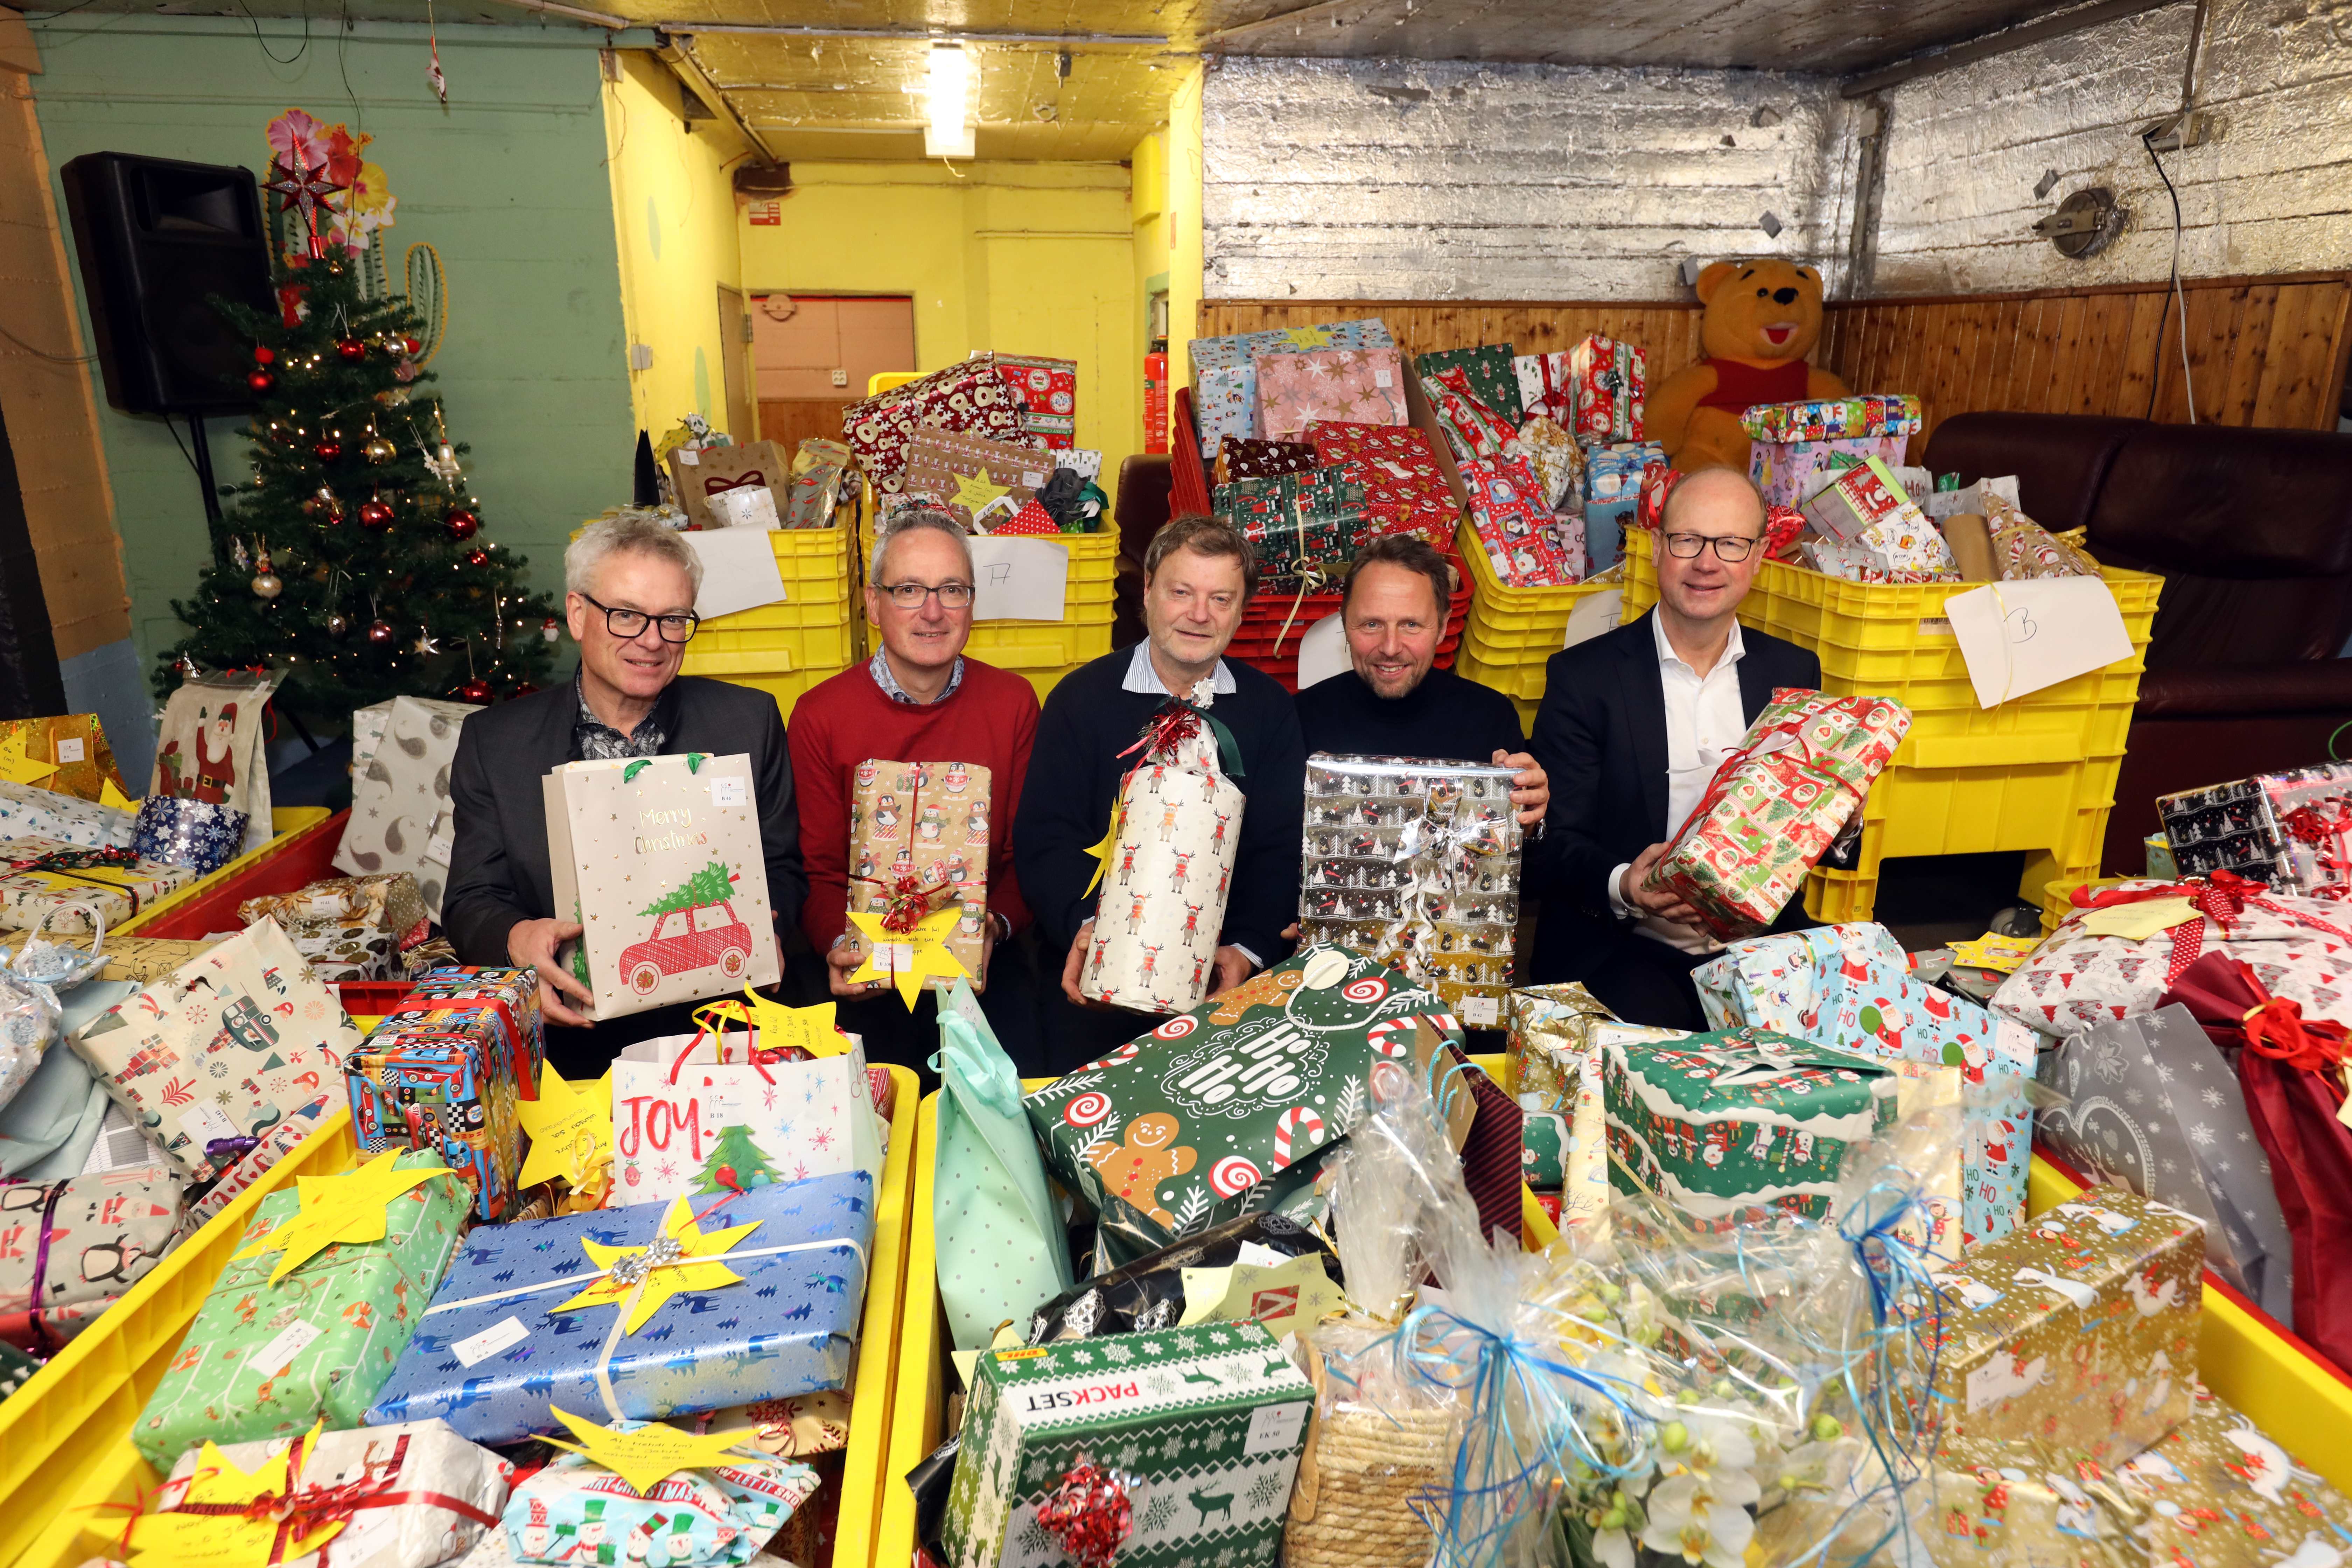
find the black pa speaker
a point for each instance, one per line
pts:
(158, 239)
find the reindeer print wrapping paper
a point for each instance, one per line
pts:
(400, 799)
(2075, 1338)
(1851, 986)
(1161, 902)
(493, 1368)
(267, 1361)
(932, 821)
(1211, 1418)
(227, 1047)
(68, 1249)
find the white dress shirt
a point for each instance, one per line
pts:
(1705, 723)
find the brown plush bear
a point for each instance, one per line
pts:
(1762, 319)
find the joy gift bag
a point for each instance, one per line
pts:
(400, 797)
(660, 859)
(1175, 827)
(928, 821)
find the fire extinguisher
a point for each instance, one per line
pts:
(1155, 402)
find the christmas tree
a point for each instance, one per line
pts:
(354, 565)
(708, 885)
(735, 1151)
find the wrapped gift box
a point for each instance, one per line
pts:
(1162, 900)
(139, 958)
(1851, 986)
(443, 1077)
(1866, 417)
(1242, 458)
(75, 745)
(196, 833)
(2074, 1339)
(1864, 509)
(1224, 405)
(1493, 376)
(1224, 371)
(1775, 805)
(79, 1243)
(1360, 386)
(417, 1493)
(227, 1047)
(1417, 862)
(1302, 526)
(1212, 1420)
(821, 475)
(1169, 1134)
(2216, 1465)
(1404, 489)
(685, 832)
(253, 1164)
(267, 1361)
(27, 812)
(1556, 459)
(2292, 830)
(1473, 426)
(2023, 548)
(1606, 382)
(971, 395)
(577, 1512)
(42, 876)
(1048, 391)
(494, 1353)
(928, 821)
(1613, 476)
(350, 928)
(949, 469)
(512, 997)
(1791, 473)
(400, 798)
(1545, 390)
(1508, 514)
(1548, 1039)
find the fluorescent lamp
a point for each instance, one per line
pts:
(945, 133)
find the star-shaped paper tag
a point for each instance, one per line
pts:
(2000, 954)
(696, 1268)
(1308, 337)
(17, 765)
(171, 1539)
(571, 1128)
(345, 1208)
(907, 957)
(2140, 920)
(110, 795)
(809, 1028)
(647, 1456)
(1101, 847)
(975, 492)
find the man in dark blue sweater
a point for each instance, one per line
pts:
(1198, 576)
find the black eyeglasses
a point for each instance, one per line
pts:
(629, 624)
(910, 596)
(1727, 547)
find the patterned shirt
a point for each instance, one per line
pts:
(594, 741)
(878, 667)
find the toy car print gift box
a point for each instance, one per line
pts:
(659, 859)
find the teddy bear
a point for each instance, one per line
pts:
(1762, 319)
(1134, 1167)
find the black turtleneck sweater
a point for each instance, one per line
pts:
(1444, 716)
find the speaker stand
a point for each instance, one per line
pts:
(204, 460)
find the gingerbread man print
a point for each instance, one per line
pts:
(1150, 1155)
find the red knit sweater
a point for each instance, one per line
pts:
(843, 721)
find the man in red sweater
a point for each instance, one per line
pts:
(918, 699)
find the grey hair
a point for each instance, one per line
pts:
(910, 520)
(609, 535)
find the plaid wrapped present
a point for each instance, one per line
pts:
(1224, 373)
(1362, 386)
(1304, 527)
(970, 395)
(1773, 807)
(1404, 489)
(966, 474)
(38, 876)
(27, 812)
(1244, 459)
(1606, 382)
(1508, 514)
(1493, 376)
(1048, 390)
(1473, 429)
(1835, 418)
(1864, 509)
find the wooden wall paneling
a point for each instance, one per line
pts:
(2234, 403)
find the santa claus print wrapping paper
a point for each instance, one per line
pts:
(1607, 383)
(1404, 489)
(932, 822)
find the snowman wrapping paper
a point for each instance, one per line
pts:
(1162, 900)
(929, 821)
(659, 859)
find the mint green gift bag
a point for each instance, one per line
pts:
(1002, 1252)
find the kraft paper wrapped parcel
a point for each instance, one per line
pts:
(929, 820)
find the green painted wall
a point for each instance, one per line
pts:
(509, 185)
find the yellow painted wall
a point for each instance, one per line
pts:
(1184, 253)
(674, 211)
(1148, 211)
(1033, 258)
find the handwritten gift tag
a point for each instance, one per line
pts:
(2019, 637)
(1019, 579)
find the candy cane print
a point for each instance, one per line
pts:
(1299, 1126)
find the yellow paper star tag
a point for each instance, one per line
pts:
(1101, 849)
(2140, 920)
(170, 1539)
(810, 1028)
(651, 1453)
(2000, 954)
(906, 958)
(1308, 337)
(974, 492)
(110, 795)
(571, 1128)
(18, 764)
(345, 1208)
(694, 1267)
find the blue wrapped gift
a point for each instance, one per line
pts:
(499, 1347)
(199, 833)
(1224, 382)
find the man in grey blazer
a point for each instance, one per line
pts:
(630, 587)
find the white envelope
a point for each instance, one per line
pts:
(1019, 579)
(738, 568)
(2020, 637)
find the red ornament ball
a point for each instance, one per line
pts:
(327, 451)
(261, 381)
(410, 346)
(478, 559)
(375, 514)
(264, 354)
(463, 523)
(351, 349)
(475, 691)
(525, 689)
(378, 634)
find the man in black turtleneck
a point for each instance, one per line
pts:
(1392, 702)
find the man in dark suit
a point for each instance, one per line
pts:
(1632, 726)
(631, 586)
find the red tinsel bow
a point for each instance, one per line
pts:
(2276, 1027)
(77, 861)
(299, 1510)
(1175, 723)
(1091, 1513)
(2329, 832)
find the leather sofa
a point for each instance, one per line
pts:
(2252, 531)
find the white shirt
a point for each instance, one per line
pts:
(1705, 723)
(1141, 676)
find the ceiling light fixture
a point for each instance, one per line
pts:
(945, 133)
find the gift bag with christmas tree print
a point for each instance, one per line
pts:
(660, 861)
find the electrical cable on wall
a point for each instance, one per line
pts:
(2188, 382)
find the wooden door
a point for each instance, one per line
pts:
(735, 361)
(815, 355)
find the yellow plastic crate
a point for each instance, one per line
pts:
(1511, 680)
(2242, 1355)
(1045, 651)
(2058, 896)
(808, 629)
(1504, 620)
(50, 1495)
(2036, 773)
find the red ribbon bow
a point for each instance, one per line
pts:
(2221, 898)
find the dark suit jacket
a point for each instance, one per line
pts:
(497, 865)
(1601, 733)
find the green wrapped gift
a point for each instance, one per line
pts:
(264, 1361)
(1722, 1126)
(1303, 524)
(1208, 1420)
(1493, 374)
